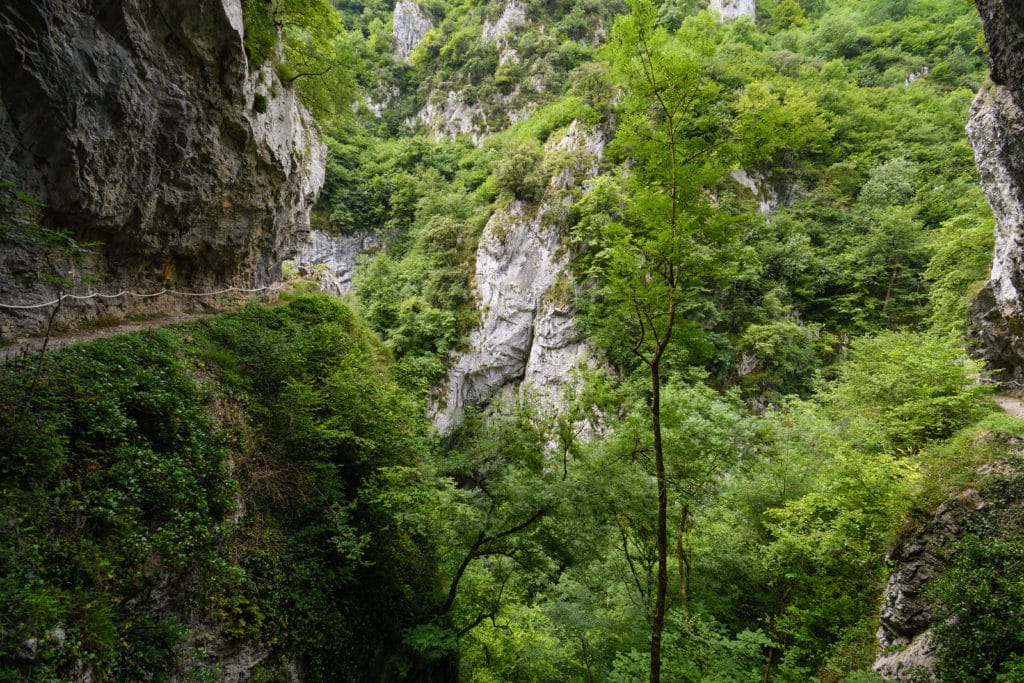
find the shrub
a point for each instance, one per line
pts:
(899, 390)
(520, 172)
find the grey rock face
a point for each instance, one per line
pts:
(513, 15)
(729, 10)
(141, 125)
(767, 196)
(527, 333)
(451, 117)
(906, 615)
(996, 130)
(337, 254)
(408, 25)
(1004, 32)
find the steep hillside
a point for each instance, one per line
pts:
(861, 171)
(214, 501)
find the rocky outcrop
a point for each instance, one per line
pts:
(763, 190)
(451, 116)
(904, 639)
(513, 15)
(331, 259)
(408, 26)
(729, 10)
(527, 334)
(142, 125)
(996, 130)
(1004, 32)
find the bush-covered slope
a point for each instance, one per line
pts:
(211, 498)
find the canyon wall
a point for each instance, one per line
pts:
(140, 125)
(996, 130)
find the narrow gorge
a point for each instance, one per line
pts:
(631, 340)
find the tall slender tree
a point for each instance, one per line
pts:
(658, 264)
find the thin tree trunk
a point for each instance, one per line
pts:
(661, 541)
(684, 562)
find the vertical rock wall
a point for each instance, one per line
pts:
(332, 259)
(408, 26)
(905, 620)
(729, 10)
(527, 334)
(141, 125)
(996, 130)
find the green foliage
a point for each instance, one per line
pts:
(783, 357)
(957, 270)
(520, 172)
(114, 476)
(978, 625)
(117, 484)
(784, 14)
(899, 390)
(23, 228)
(890, 184)
(306, 43)
(363, 549)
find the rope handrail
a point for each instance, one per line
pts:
(124, 292)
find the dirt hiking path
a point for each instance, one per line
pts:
(31, 345)
(1011, 404)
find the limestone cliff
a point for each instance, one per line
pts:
(729, 10)
(513, 15)
(141, 125)
(527, 333)
(996, 130)
(905, 644)
(331, 259)
(408, 24)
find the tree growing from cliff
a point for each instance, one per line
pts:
(306, 42)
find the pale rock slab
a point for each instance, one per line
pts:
(452, 117)
(338, 254)
(513, 15)
(730, 10)
(527, 334)
(766, 195)
(409, 24)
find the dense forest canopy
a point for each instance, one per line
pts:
(771, 258)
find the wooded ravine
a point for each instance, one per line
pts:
(512, 340)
